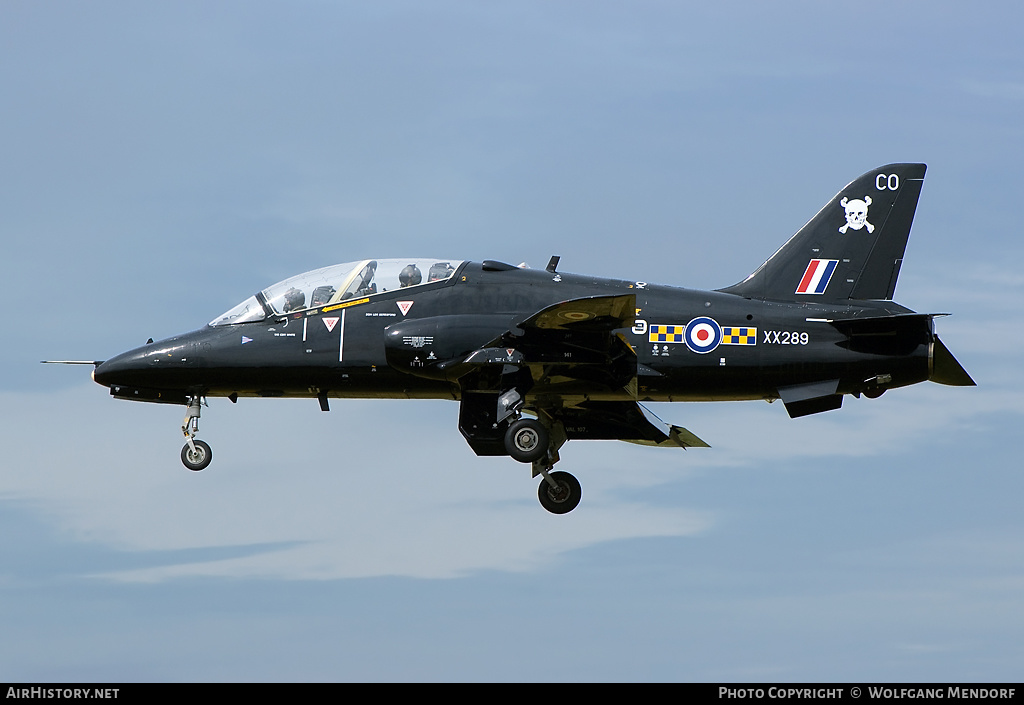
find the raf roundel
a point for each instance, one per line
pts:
(703, 334)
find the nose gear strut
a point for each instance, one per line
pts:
(195, 455)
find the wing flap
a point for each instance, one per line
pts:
(625, 421)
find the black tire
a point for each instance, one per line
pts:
(526, 440)
(565, 498)
(198, 460)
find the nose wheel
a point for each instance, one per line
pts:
(195, 455)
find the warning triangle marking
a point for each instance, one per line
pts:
(330, 323)
(404, 306)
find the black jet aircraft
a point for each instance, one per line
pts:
(539, 357)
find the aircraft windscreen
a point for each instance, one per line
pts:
(245, 312)
(339, 282)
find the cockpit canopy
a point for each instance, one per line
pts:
(340, 282)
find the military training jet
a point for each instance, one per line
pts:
(539, 357)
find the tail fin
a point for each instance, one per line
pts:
(853, 247)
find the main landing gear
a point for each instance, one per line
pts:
(195, 455)
(526, 440)
(530, 441)
(559, 492)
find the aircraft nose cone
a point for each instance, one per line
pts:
(144, 374)
(162, 371)
(119, 369)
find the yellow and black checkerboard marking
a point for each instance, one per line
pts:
(666, 334)
(733, 335)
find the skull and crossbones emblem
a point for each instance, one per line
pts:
(856, 214)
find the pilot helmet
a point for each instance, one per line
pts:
(410, 276)
(439, 271)
(321, 295)
(294, 300)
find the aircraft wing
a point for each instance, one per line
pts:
(571, 341)
(577, 340)
(591, 314)
(624, 421)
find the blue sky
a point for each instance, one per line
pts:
(162, 164)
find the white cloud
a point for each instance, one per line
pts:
(373, 488)
(749, 433)
(389, 487)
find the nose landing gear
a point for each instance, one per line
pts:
(195, 455)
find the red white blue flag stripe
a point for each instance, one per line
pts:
(817, 276)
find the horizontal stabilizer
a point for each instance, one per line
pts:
(896, 335)
(884, 325)
(946, 369)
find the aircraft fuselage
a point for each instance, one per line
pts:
(342, 350)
